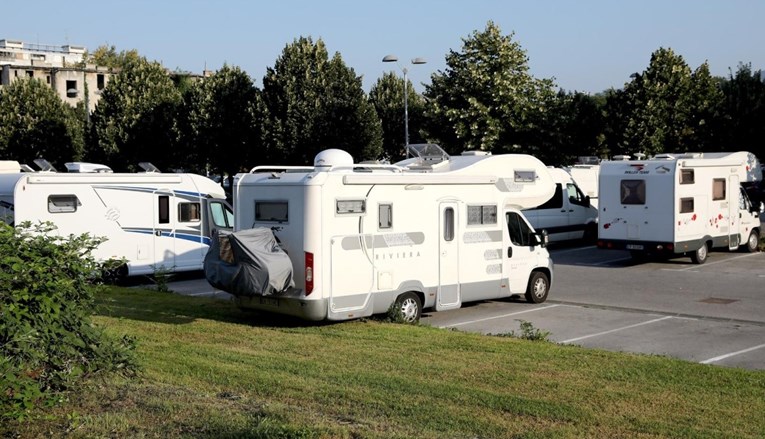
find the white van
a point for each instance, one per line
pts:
(568, 214)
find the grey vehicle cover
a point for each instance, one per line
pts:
(248, 263)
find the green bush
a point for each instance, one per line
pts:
(47, 340)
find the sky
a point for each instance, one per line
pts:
(584, 45)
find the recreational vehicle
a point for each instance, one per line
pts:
(679, 204)
(568, 214)
(152, 220)
(585, 173)
(432, 231)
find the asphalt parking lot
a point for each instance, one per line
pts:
(712, 313)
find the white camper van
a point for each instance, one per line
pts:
(568, 214)
(585, 174)
(677, 204)
(154, 221)
(431, 231)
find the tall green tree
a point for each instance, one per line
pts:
(36, 123)
(107, 56)
(313, 103)
(224, 122)
(705, 122)
(486, 98)
(387, 96)
(135, 118)
(744, 110)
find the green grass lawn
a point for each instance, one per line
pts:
(211, 370)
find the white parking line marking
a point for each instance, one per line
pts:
(612, 260)
(732, 354)
(617, 329)
(499, 317)
(710, 263)
(571, 250)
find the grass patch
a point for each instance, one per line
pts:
(212, 370)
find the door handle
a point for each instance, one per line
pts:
(158, 232)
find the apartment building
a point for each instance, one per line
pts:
(62, 67)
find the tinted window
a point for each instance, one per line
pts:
(62, 203)
(271, 211)
(633, 191)
(163, 209)
(448, 224)
(189, 212)
(518, 229)
(221, 215)
(556, 202)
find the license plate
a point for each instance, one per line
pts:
(634, 247)
(269, 301)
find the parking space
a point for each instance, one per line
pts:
(712, 313)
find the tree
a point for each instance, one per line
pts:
(36, 123)
(313, 103)
(486, 98)
(744, 111)
(387, 96)
(107, 56)
(224, 122)
(706, 112)
(135, 118)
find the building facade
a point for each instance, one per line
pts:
(62, 67)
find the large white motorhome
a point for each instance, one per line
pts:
(679, 204)
(155, 221)
(430, 231)
(568, 214)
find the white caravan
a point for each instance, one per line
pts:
(568, 214)
(155, 221)
(678, 204)
(431, 231)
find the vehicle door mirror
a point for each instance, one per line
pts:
(587, 201)
(539, 238)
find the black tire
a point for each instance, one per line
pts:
(753, 242)
(538, 288)
(408, 306)
(701, 255)
(590, 233)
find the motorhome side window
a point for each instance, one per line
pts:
(525, 176)
(63, 203)
(718, 189)
(686, 205)
(163, 209)
(272, 211)
(350, 206)
(485, 214)
(385, 214)
(686, 176)
(633, 191)
(448, 224)
(518, 229)
(189, 212)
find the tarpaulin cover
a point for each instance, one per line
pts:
(248, 263)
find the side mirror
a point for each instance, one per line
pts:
(539, 238)
(587, 201)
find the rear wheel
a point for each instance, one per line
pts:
(700, 256)
(538, 288)
(753, 242)
(590, 233)
(408, 307)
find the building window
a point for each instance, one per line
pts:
(385, 212)
(482, 215)
(63, 203)
(47, 79)
(71, 89)
(633, 191)
(30, 73)
(718, 189)
(100, 81)
(686, 205)
(686, 176)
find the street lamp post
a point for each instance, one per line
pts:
(394, 58)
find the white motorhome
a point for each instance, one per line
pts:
(430, 231)
(568, 214)
(155, 221)
(585, 173)
(678, 204)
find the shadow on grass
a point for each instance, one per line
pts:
(163, 307)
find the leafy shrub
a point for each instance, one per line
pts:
(47, 340)
(528, 332)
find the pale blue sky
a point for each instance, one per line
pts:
(585, 45)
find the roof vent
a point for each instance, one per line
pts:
(44, 165)
(83, 167)
(148, 167)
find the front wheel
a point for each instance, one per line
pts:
(700, 255)
(753, 242)
(538, 288)
(408, 308)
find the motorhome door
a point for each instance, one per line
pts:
(734, 203)
(164, 230)
(448, 261)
